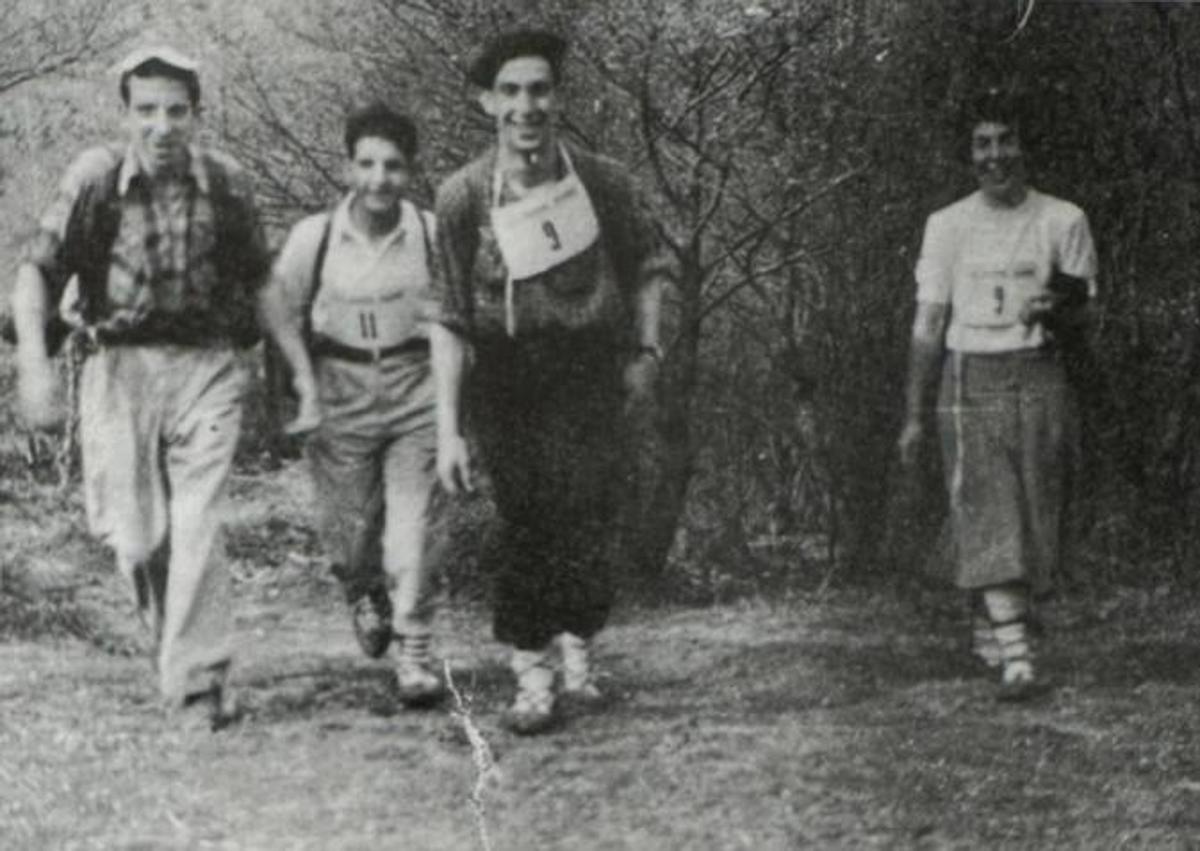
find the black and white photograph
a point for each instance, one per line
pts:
(504, 425)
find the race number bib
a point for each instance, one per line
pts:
(996, 294)
(546, 228)
(371, 305)
(999, 273)
(368, 324)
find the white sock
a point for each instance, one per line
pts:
(576, 655)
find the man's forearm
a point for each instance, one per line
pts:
(647, 312)
(925, 357)
(283, 326)
(31, 309)
(924, 366)
(448, 351)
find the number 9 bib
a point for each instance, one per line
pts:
(995, 296)
(546, 228)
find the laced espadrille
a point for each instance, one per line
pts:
(533, 710)
(578, 683)
(419, 686)
(372, 616)
(1018, 678)
(984, 646)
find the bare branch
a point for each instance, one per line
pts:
(784, 216)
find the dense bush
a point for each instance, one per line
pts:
(791, 151)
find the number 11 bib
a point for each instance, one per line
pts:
(546, 228)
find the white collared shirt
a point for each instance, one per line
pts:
(386, 277)
(985, 261)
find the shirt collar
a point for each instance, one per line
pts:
(131, 169)
(342, 225)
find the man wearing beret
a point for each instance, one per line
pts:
(164, 239)
(358, 277)
(1003, 279)
(552, 278)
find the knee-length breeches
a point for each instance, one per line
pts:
(1007, 422)
(548, 413)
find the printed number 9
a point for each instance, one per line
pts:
(998, 292)
(552, 235)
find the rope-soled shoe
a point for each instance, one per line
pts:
(416, 681)
(372, 616)
(533, 710)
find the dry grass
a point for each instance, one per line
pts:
(849, 722)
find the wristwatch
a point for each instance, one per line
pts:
(653, 349)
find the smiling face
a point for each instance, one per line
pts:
(524, 102)
(379, 174)
(998, 161)
(161, 121)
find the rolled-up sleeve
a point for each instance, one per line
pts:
(1076, 250)
(49, 247)
(293, 268)
(451, 300)
(935, 265)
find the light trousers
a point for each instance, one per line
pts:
(1007, 424)
(159, 427)
(373, 462)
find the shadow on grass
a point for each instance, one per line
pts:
(1131, 663)
(330, 686)
(770, 680)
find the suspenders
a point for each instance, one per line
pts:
(321, 345)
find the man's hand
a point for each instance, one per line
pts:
(1037, 307)
(641, 376)
(308, 411)
(454, 465)
(909, 443)
(38, 393)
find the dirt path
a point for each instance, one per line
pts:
(848, 722)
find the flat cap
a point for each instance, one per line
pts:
(162, 53)
(488, 61)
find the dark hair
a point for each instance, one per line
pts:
(491, 57)
(998, 104)
(380, 120)
(159, 68)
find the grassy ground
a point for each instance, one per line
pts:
(847, 721)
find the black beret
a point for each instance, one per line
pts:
(491, 57)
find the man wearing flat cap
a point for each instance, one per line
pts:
(164, 240)
(1003, 279)
(552, 277)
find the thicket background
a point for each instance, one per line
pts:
(791, 150)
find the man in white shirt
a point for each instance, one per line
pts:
(357, 280)
(1004, 274)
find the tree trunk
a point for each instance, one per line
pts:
(664, 454)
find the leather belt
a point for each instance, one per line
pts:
(325, 347)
